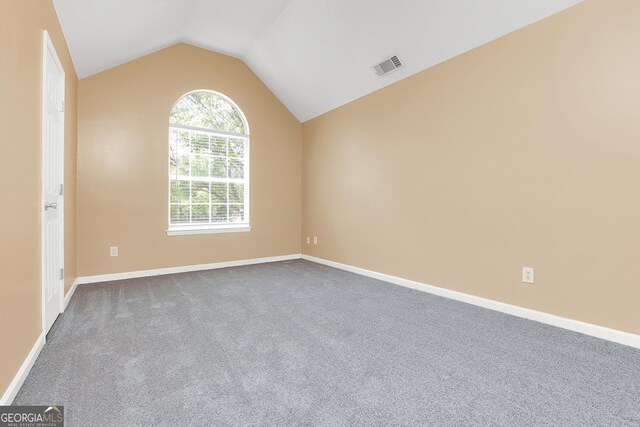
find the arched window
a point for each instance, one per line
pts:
(208, 165)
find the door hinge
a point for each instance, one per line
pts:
(61, 273)
(61, 189)
(62, 106)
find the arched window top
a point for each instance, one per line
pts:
(208, 110)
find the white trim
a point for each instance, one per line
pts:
(49, 44)
(67, 297)
(191, 229)
(182, 269)
(597, 331)
(21, 375)
(205, 130)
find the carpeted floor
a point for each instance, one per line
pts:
(296, 343)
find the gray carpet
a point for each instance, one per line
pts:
(296, 343)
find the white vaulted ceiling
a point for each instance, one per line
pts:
(314, 55)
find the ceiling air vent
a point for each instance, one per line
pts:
(387, 66)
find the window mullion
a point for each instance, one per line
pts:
(228, 183)
(190, 177)
(209, 131)
(209, 163)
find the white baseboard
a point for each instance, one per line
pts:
(67, 297)
(18, 380)
(597, 331)
(182, 269)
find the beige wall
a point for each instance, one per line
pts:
(524, 152)
(123, 166)
(21, 31)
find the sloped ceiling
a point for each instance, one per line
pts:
(314, 55)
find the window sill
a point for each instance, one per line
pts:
(178, 231)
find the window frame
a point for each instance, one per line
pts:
(207, 228)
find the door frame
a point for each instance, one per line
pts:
(47, 47)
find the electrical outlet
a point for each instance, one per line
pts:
(315, 240)
(527, 274)
(308, 240)
(113, 251)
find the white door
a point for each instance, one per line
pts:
(52, 185)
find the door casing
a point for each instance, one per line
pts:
(49, 49)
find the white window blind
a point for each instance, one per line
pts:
(208, 163)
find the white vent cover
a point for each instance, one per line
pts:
(387, 66)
